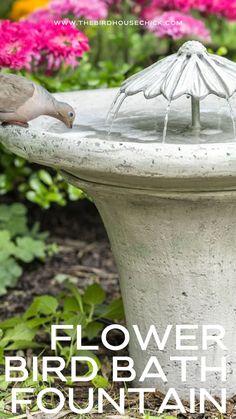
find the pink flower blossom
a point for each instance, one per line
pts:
(42, 45)
(61, 44)
(178, 25)
(225, 8)
(150, 8)
(92, 10)
(18, 45)
(40, 15)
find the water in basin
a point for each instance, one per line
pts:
(142, 120)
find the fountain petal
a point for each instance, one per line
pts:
(192, 70)
(138, 82)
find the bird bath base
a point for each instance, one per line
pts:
(169, 210)
(175, 257)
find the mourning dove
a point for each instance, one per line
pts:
(21, 100)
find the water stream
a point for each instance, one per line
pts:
(166, 122)
(232, 117)
(212, 128)
(113, 112)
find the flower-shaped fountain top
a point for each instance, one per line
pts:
(191, 71)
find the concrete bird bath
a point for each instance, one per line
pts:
(169, 210)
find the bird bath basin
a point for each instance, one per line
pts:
(169, 210)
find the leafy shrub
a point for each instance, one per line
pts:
(18, 244)
(38, 186)
(72, 306)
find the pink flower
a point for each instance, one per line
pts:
(61, 44)
(149, 8)
(178, 25)
(225, 8)
(92, 9)
(40, 46)
(18, 45)
(38, 15)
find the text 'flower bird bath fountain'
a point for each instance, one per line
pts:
(169, 208)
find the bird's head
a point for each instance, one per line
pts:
(65, 113)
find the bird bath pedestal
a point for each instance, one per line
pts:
(170, 213)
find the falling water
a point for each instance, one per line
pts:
(113, 112)
(219, 116)
(232, 117)
(112, 107)
(166, 122)
(157, 113)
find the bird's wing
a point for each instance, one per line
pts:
(2, 110)
(14, 92)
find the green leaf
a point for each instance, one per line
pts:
(2, 357)
(45, 304)
(45, 177)
(100, 382)
(9, 273)
(70, 304)
(37, 185)
(94, 294)
(18, 209)
(13, 219)
(36, 322)
(24, 344)
(20, 333)
(114, 311)
(74, 320)
(4, 213)
(75, 193)
(7, 324)
(76, 293)
(28, 249)
(7, 415)
(17, 242)
(93, 329)
(7, 247)
(3, 384)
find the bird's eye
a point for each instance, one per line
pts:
(71, 114)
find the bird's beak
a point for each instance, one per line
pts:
(69, 124)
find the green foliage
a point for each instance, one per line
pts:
(42, 186)
(86, 76)
(5, 7)
(13, 171)
(18, 244)
(72, 306)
